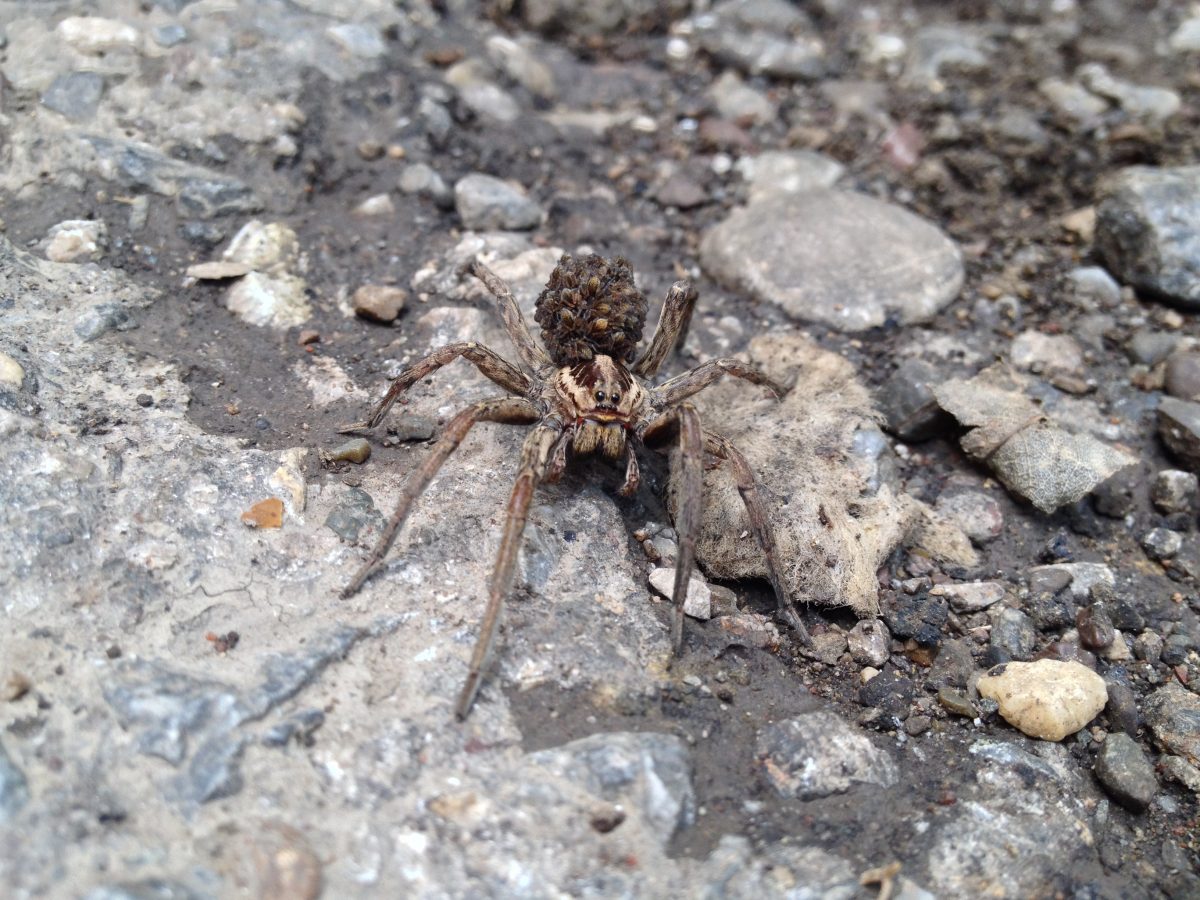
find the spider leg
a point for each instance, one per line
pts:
(748, 487)
(685, 422)
(530, 352)
(633, 476)
(558, 456)
(671, 330)
(488, 361)
(535, 456)
(510, 410)
(673, 390)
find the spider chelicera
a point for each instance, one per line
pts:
(586, 392)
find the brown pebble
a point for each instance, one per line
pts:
(308, 336)
(370, 150)
(1095, 627)
(265, 514)
(444, 56)
(15, 687)
(379, 302)
(355, 450)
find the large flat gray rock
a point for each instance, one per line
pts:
(839, 258)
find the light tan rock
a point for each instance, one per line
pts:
(1047, 699)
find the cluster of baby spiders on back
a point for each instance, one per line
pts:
(587, 391)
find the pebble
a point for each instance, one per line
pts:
(379, 302)
(75, 95)
(1081, 577)
(1153, 104)
(1173, 491)
(169, 35)
(11, 371)
(424, 181)
(1095, 627)
(1073, 100)
(1013, 637)
(1148, 646)
(681, 191)
(737, 101)
(1115, 496)
(520, 62)
(956, 702)
(1178, 769)
(1176, 648)
(771, 37)
(697, 603)
(1045, 699)
(355, 450)
(352, 514)
(918, 724)
(75, 240)
(936, 47)
(1139, 235)
(1123, 770)
(358, 39)
(803, 252)
(375, 206)
(1182, 375)
(1122, 707)
(1161, 543)
(953, 666)
(1179, 427)
(94, 35)
(485, 203)
(819, 754)
(827, 647)
(264, 514)
(788, 172)
(1046, 354)
(217, 270)
(278, 301)
(869, 643)
(972, 596)
(919, 618)
(1150, 347)
(1186, 38)
(265, 247)
(977, 513)
(907, 400)
(890, 692)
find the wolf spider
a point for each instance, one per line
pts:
(587, 392)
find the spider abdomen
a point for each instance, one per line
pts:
(590, 307)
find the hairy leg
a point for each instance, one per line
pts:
(510, 410)
(695, 380)
(747, 486)
(633, 475)
(671, 330)
(530, 352)
(683, 422)
(535, 457)
(488, 361)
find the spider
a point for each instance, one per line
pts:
(586, 392)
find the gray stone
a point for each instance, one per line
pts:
(818, 754)
(1182, 376)
(1161, 543)
(1148, 646)
(75, 240)
(788, 172)
(1073, 100)
(1150, 347)
(737, 101)
(1173, 491)
(171, 35)
(939, 47)
(519, 60)
(869, 643)
(359, 39)
(953, 665)
(1186, 38)
(888, 692)
(1147, 233)
(1179, 427)
(1126, 774)
(101, 319)
(1153, 104)
(913, 413)
(648, 771)
(972, 596)
(200, 192)
(1122, 707)
(352, 514)
(1176, 648)
(1115, 497)
(1013, 637)
(976, 512)
(14, 789)
(75, 95)
(1173, 715)
(487, 203)
(771, 37)
(1177, 769)
(423, 180)
(836, 257)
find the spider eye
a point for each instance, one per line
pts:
(616, 398)
(599, 396)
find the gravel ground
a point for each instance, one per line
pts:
(967, 238)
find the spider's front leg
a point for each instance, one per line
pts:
(535, 458)
(511, 410)
(486, 360)
(693, 381)
(683, 421)
(671, 330)
(748, 487)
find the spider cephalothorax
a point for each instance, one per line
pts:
(582, 396)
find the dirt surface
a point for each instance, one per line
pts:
(1007, 200)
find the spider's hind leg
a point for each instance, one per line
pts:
(747, 486)
(511, 410)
